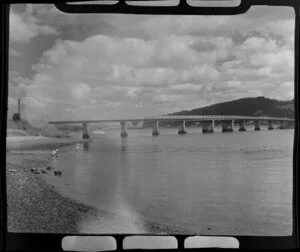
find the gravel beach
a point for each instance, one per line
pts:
(35, 206)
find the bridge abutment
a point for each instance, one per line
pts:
(155, 131)
(256, 125)
(208, 126)
(270, 125)
(123, 129)
(282, 124)
(242, 125)
(227, 126)
(182, 130)
(85, 132)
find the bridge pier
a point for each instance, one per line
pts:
(242, 125)
(282, 124)
(155, 131)
(182, 130)
(227, 126)
(123, 129)
(270, 125)
(257, 125)
(208, 126)
(85, 132)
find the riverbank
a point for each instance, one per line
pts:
(35, 206)
(39, 142)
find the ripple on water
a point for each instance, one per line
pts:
(194, 181)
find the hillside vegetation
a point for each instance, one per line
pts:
(255, 106)
(258, 106)
(23, 127)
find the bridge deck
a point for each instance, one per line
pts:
(178, 118)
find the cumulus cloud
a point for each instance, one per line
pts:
(13, 52)
(80, 91)
(145, 65)
(23, 29)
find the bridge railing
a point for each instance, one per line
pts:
(180, 118)
(217, 117)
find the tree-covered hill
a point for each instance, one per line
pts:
(258, 106)
(252, 106)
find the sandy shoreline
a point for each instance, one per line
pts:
(39, 142)
(35, 206)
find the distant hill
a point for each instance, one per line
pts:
(252, 106)
(258, 106)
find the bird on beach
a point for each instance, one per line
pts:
(34, 170)
(57, 172)
(55, 153)
(77, 147)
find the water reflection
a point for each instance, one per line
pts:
(54, 163)
(86, 146)
(155, 148)
(124, 145)
(195, 182)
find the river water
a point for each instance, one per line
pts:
(236, 183)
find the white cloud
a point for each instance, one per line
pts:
(23, 29)
(170, 98)
(280, 59)
(188, 87)
(287, 84)
(80, 91)
(13, 52)
(233, 83)
(254, 44)
(144, 65)
(199, 73)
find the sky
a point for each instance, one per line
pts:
(111, 66)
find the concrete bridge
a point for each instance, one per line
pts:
(207, 122)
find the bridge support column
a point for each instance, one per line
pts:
(155, 131)
(242, 126)
(257, 125)
(270, 125)
(85, 132)
(208, 126)
(282, 124)
(182, 130)
(123, 129)
(227, 126)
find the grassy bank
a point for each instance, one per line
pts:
(46, 130)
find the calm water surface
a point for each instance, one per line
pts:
(223, 183)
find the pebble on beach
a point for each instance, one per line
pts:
(34, 170)
(57, 172)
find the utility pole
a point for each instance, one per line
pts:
(19, 104)
(19, 107)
